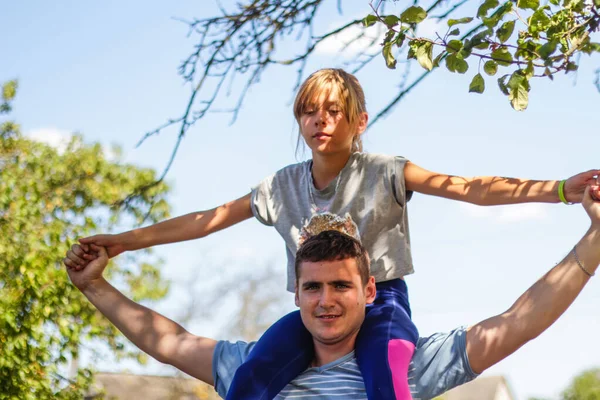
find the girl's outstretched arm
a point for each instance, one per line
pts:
(495, 190)
(186, 227)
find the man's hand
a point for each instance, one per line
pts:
(83, 277)
(80, 255)
(591, 203)
(575, 185)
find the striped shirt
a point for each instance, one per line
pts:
(340, 379)
(440, 363)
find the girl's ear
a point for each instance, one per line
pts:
(363, 121)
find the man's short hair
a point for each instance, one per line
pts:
(333, 246)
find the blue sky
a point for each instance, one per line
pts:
(109, 71)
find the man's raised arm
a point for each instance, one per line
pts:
(153, 333)
(495, 338)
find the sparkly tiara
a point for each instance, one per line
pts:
(328, 222)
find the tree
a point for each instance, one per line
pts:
(528, 37)
(47, 197)
(585, 386)
(517, 39)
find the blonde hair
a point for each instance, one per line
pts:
(344, 86)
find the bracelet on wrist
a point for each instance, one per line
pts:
(561, 192)
(588, 273)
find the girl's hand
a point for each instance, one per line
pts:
(112, 243)
(575, 185)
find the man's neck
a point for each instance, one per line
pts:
(328, 353)
(326, 168)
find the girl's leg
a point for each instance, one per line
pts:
(282, 353)
(386, 343)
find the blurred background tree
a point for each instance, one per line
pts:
(48, 197)
(585, 386)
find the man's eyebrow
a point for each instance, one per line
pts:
(340, 282)
(310, 283)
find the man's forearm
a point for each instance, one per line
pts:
(537, 309)
(549, 297)
(147, 329)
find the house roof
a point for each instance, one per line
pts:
(118, 386)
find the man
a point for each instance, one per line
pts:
(332, 293)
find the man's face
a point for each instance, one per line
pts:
(332, 299)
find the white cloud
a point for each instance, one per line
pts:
(506, 214)
(57, 138)
(430, 27)
(338, 44)
(371, 39)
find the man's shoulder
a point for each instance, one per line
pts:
(227, 358)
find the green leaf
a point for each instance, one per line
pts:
(490, 67)
(480, 40)
(477, 84)
(454, 32)
(518, 87)
(502, 84)
(502, 56)
(505, 31)
(390, 60)
(413, 15)
(486, 7)
(391, 21)
(528, 4)
(9, 90)
(571, 66)
(424, 54)
(547, 49)
(455, 63)
(529, 71)
(454, 46)
(452, 22)
(399, 40)
(539, 21)
(436, 61)
(519, 98)
(369, 20)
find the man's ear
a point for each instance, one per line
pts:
(370, 290)
(296, 299)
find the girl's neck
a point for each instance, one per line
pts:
(325, 168)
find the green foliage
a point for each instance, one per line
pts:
(585, 386)
(48, 198)
(477, 84)
(9, 89)
(527, 38)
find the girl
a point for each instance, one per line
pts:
(340, 179)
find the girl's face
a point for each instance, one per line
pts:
(325, 128)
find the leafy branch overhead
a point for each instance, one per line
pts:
(517, 40)
(523, 39)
